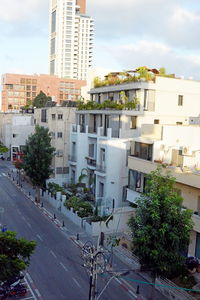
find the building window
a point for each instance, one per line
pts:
(60, 116)
(44, 115)
(156, 121)
(14, 135)
(91, 150)
(53, 21)
(53, 116)
(53, 46)
(143, 151)
(52, 67)
(180, 100)
(59, 170)
(59, 135)
(133, 123)
(101, 189)
(179, 123)
(34, 88)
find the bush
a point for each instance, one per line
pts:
(192, 262)
(54, 187)
(82, 208)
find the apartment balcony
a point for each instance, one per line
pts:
(92, 130)
(101, 169)
(183, 175)
(79, 128)
(91, 162)
(132, 195)
(72, 159)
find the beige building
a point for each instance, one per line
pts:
(19, 90)
(58, 120)
(177, 149)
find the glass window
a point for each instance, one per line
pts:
(52, 67)
(28, 87)
(22, 80)
(53, 116)
(34, 81)
(59, 134)
(180, 100)
(60, 116)
(34, 88)
(53, 21)
(53, 46)
(133, 123)
(28, 81)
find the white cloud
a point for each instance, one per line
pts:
(20, 10)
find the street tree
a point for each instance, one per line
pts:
(38, 155)
(14, 254)
(161, 227)
(41, 100)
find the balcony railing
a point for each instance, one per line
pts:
(72, 158)
(91, 161)
(101, 168)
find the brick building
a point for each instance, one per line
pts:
(19, 89)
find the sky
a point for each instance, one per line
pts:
(128, 34)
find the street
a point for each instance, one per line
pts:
(56, 269)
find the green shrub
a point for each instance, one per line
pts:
(82, 208)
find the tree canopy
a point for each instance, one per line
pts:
(14, 254)
(38, 155)
(41, 100)
(161, 228)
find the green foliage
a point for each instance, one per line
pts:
(54, 187)
(82, 208)
(14, 254)
(107, 104)
(41, 100)
(38, 155)
(3, 149)
(81, 177)
(160, 228)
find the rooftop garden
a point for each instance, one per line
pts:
(145, 73)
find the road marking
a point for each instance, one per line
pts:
(76, 282)
(3, 174)
(19, 211)
(23, 218)
(64, 267)
(33, 296)
(29, 278)
(39, 237)
(28, 298)
(29, 225)
(53, 254)
(37, 292)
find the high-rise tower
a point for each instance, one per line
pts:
(71, 39)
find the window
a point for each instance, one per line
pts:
(143, 151)
(52, 67)
(34, 88)
(156, 121)
(44, 115)
(59, 153)
(22, 80)
(179, 123)
(60, 116)
(53, 46)
(133, 122)
(59, 135)
(91, 150)
(28, 81)
(28, 87)
(28, 94)
(14, 135)
(101, 189)
(53, 116)
(180, 100)
(53, 21)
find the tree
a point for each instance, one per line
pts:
(14, 254)
(161, 228)
(41, 100)
(38, 155)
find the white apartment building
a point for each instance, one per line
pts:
(13, 134)
(70, 39)
(58, 120)
(101, 140)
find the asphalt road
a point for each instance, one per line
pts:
(56, 267)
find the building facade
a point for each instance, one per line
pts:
(177, 149)
(115, 147)
(12, 133)
(19, 90)
(70, 39)
(58, 120)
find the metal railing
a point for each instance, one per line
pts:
(91, 161)
(74, 128)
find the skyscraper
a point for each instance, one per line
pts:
(71, 39)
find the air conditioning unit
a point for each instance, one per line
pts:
(187, 151)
